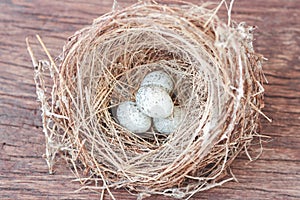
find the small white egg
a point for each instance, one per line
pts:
(158, 78)
(131, 118)
(170, 124)
(154, 101)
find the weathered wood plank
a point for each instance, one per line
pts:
(23, 172)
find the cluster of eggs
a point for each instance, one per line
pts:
(153, 103)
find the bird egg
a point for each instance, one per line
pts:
(131, 118)
(158, 78)
(170, 124)
(154, 101)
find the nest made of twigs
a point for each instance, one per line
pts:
(218, 80)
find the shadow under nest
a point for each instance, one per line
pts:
(218, 80)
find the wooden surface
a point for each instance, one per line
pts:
(23, 171)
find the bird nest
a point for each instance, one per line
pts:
(217, 80)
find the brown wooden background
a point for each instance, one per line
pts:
(23, 172)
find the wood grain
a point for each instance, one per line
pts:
(23, 172)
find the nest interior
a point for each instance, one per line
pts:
(218, 81)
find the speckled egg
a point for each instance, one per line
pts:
(170, 124)
(154, 101)
(158, 78)
(131, 118)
